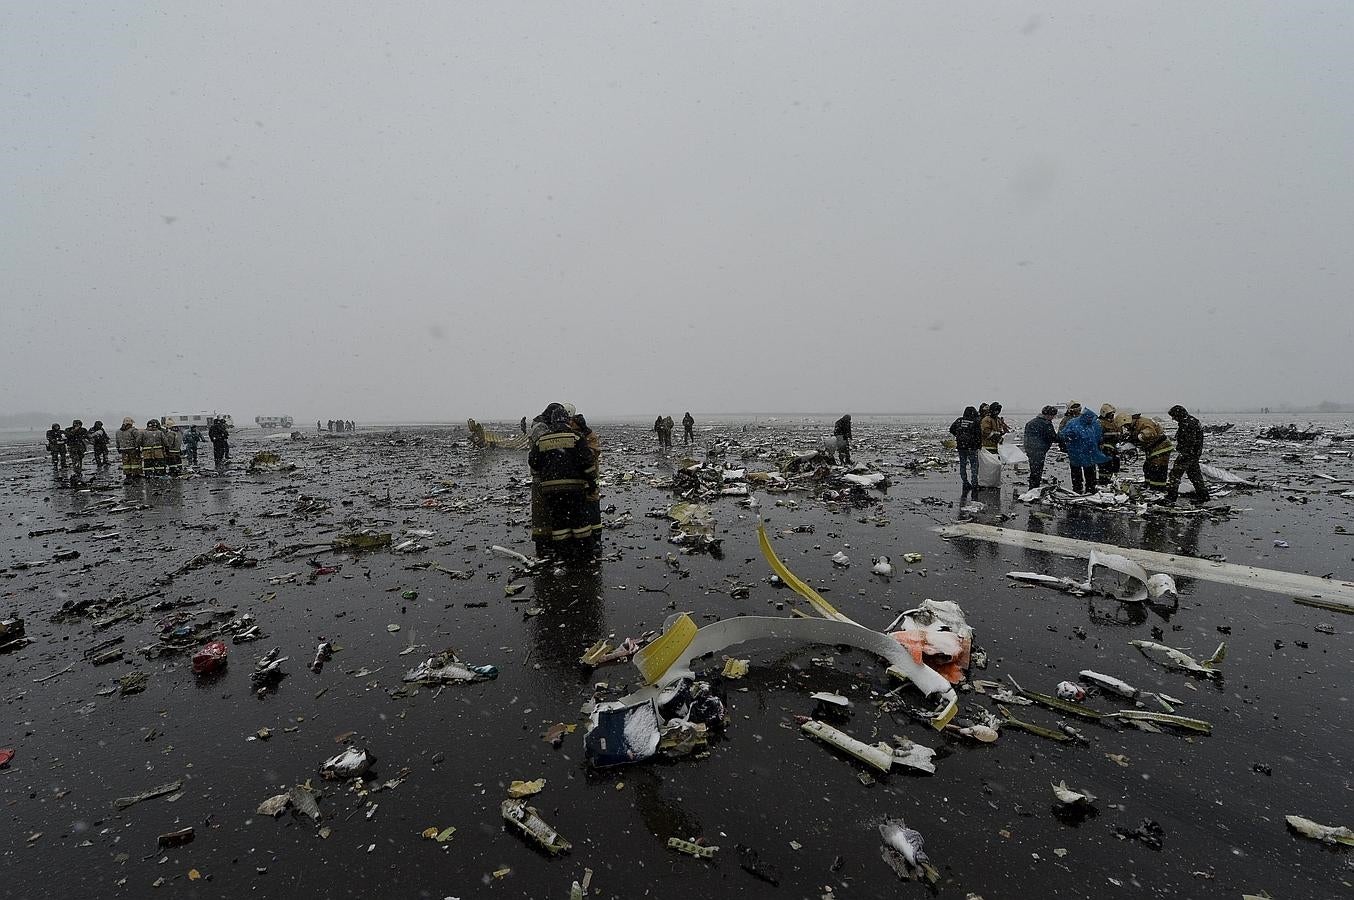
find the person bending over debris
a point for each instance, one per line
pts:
(1189, 446)
(842, 431)
(1148, 436)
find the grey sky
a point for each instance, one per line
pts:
(436, 210)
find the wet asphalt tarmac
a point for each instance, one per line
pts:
(1281, 715)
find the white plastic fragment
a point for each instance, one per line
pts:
(1068, 797)
(878, 756)
(1162, 586)
(1327, 834)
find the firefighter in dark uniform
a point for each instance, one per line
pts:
(153, 454)
(56, 445)
(566, 470)
(77, 442)
(1189, 448)
(1112, 424)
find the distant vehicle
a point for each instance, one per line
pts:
(273, 421)
(203, 420)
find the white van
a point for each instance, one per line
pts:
(203, 420)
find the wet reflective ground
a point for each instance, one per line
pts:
(1282, 714)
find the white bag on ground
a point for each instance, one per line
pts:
(1008, 453)
(989, 469)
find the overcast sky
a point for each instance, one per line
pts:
(432, 211)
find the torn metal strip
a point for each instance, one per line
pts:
(685, 643)
(1333, 594)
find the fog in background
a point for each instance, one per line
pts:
(406, 211)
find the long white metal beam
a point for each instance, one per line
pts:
(1328, 593)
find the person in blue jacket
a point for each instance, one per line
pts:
(1081, 438)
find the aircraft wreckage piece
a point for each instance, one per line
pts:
(1120, 578)
(668, 658)
(1328, 593)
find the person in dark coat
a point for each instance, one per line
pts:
(77, 442)
(1040, 436)
(56, 445)
(842, 431)
(98, 440)
(540, 519)
(219, 435)
(564, 466)
(594, 495)
(688, 423)
(191, 439)
(1189, 448)
(967, 439)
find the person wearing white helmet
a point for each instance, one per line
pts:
(128, 443)
(153, 452)
(173, 447)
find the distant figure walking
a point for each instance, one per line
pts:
(842, 431)
(1189, 449)
(98, 439)
(77, 442)
(56, 445)
(663, 426)
(688, 424)
(220, 438)
(190, 442)
(967, 439)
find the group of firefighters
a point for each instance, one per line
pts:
(161, 448)
(1094, 445)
